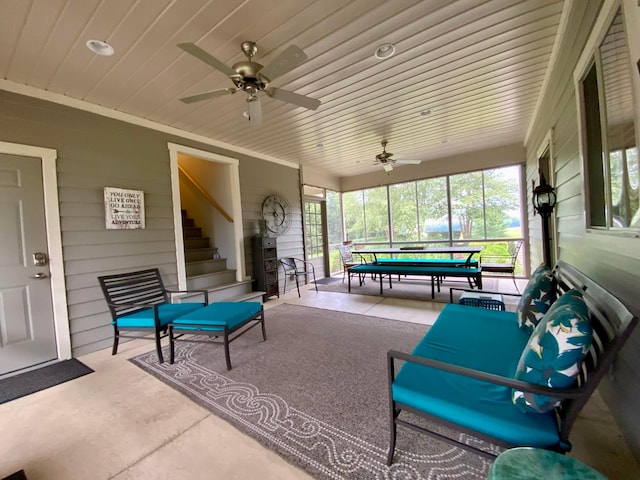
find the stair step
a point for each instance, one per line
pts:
(230, 292)
(202, 267)
(191, 232)
(211, 280)
(197, 254)
(196, 243)
(188, 222)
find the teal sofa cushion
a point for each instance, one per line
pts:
(537, 298)
(218, 315)
(166, 313)
(481, 339)
(554, 354)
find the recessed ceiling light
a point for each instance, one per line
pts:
(100, 48)
(444, 140)
(385, 51)
(319, 145)
(424, 113)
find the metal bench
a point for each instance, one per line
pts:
(472, 274)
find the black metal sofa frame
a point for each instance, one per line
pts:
(612, 325)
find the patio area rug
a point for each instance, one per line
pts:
(316, 393)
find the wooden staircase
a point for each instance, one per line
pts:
(206, 270)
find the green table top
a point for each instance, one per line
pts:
(524, 463)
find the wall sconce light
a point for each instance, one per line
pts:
(544, 201)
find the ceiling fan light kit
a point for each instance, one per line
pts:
(252, 77)
(385, 159)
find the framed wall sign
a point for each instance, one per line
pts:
(124, 209)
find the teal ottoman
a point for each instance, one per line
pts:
(227, 320)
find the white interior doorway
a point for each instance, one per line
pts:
(228, 171)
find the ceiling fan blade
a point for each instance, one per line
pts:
(255, 110)
(283, 63)
(295, 98)
(200, 54)
(409, 162)
(208, 95)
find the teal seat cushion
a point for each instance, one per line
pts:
(166, 313)
(487, 340)
(537, 298)
(216, 316)
(555, 352)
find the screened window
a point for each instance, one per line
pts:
(405, 223)
(502, 203)
(334, 218)
(467, 205)
(376, 215)
(433, 209)
(353, 208)
(473, 206)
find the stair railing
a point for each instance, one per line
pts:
(211, 200)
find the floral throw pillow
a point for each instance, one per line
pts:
(536, 299)
(555, 352)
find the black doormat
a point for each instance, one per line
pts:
(16, 476)
(40, 379)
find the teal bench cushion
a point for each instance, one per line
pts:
(427, 262)
(466, 336)
(415, 270)
(216, 316)
(166, 313)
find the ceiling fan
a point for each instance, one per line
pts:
(386, 161)
(251, 77)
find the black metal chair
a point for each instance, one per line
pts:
(297, 268)
(138, 301)
(502, 263)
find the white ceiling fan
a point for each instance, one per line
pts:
(251, 77)
(386, 161)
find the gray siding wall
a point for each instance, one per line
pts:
(256, 184)
(611, 260)
(95, 152)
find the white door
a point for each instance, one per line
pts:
(27, 331)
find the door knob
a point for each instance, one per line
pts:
(40, 275)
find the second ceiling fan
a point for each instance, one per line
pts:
(251, 77)
(386, 161)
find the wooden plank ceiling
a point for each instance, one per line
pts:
(466, 74)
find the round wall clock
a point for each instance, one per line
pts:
(276, 215)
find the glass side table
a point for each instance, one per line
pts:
(526, 463)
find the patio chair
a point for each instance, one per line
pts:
(297, 268)
(348, 260)
(138, 301)
(502, 263)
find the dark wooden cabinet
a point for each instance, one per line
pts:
(265, 265)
